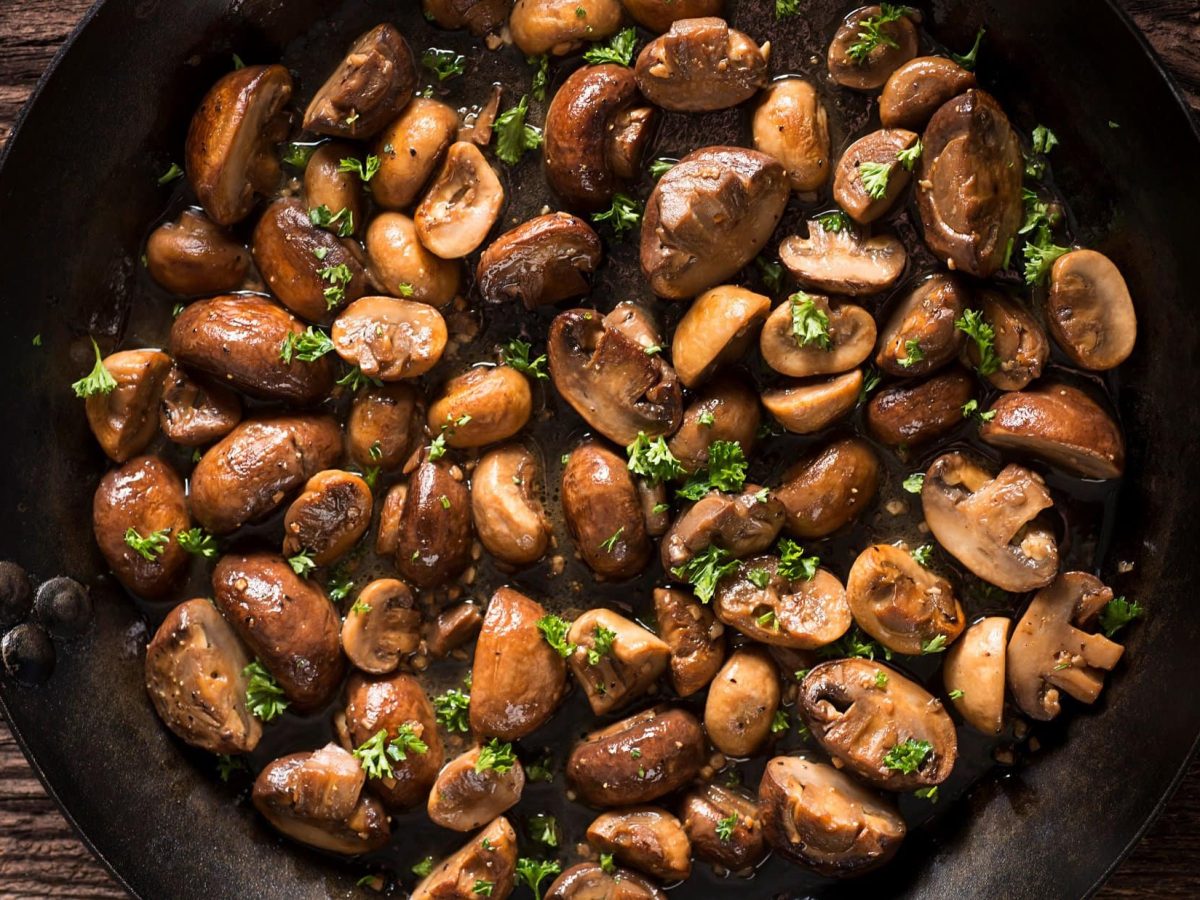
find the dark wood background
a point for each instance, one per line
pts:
(40, 856)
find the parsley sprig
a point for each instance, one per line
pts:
(618, 50)
(653, 459)
(150, 547)
(365, 169)
(452, 710)
(1119, 612)
(98, 381)
(496, 757)
(810, 323)
(534, 871)
(624, 215)
(516, 355)
(793, 564)
(197, 542)
(554, 629)
(513, 135)
(445, 64)
(307, 346)
(974, 326)
(705, 570)
(873, 34)
(264, 696)
(726, 471)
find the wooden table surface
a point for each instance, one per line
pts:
(40, 856)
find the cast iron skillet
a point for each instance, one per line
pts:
(77, 190)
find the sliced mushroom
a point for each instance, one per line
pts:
(656, 506)
(921, 335)
(790, 124)
(317, 798)
(401, 266)
(194, 676)
(917, 89)
(542, 261)
(717, 329)
(695, 638)
(387, 535)
(610, 380)
(481, 17)
(988, 523)
(1060, 424)
(896, 736)
(615, 659)
(1049, 653)
(466, 795)
(842, 262)
(385, 426)
(806, 407)
(484, 405)
(853, 189)
(368, 89)
(900, 603)
(912, 415)
(869, 71)
(724, 409)
(646, 838)
(489, 857)
(434, 544)
(506, 506)
(825, 820)
(603, 512)
(1020, 347)
(410, 149)
(701, 65)
(709, 216)
(973, 674)
(1089, 310)
(196, 411)
(328, 517)
(123, 420)
(741, 524)
(193, 255)
(658, 15)
(390, 339)
(742, 702)
(785, 612)
(588, 880)
(846, 341)
(828, 490)
(969, 184)
(461, 205)
(230, 154)
(453, 627)
(382, 627)
(559, 26)
(706, 813)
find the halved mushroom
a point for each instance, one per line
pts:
(709, 216)
(826, 491)
(868, 71)
(559, 26)
(409, 149)
(724, 409)
(453, 627)
(656, 506)
(385, 425)
(701, 65)
(467, 794)
(742, 701)
(615, 659)
(317, 798)
(193, 255)
(825, 820)
(880, 153)
(230, 154)
(124, 420)
(784, 612)
(900, 603)
(645, 837)
(588, 880)
(1060, 424)
(1089, 310)
(696, 639)
(390, 339)
(806, 407)
(969, 184)
(596, 131)
(610, 380)
(434, 542)
(917, 89)
(842, 262)
(401, 266)
(1049, 652)
(717, 329)
(921, 335)
(484, 405)
(505, 505)
(194, 676)
(973, 674)
(741, 524)
(707, 812)
(328, 517)
(910, 415)
(196, 411)
(489, 857)
(896, 736)
(461, 205)
(603, 512)
(988, 523)
(843, 339)
(790, 124)
(382, 627)
(1020, 347)
(480, 17)
(542, 261)
(368, 89)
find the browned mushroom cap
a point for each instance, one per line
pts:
(434, 544)
(916, 90)
(988, 524)
(385, 425)
(645, 837)
(1049, 652)
(317, 798)
(787, 612)
(453, 627)
(842, 262)
(696, 639)
(193, 255)
(717, 329)
(517, 679)
(461, 205)
(605, 772)
(1060, 424)
(848, 339)
(409, 149)
(390, 339)
(1020, 344)
(368, 89)
(401, 266)
(194, 678)
(742, 701)
(896, 737)
(724, 409)
(505, 502)
(920, 335)
(658, 15)
(973, 674)
(864, 203)
(489, 856)
(480, 16)
(619, 668)
(465, 796)
(870, 71)
(708, 807)
(610, 380)
(589, 880)
(701, 65)
(230, 154)
(901, 603)
(742, 524)
(790, 124)
(806, 407)
(829, 489)
(559, 26)
(708, 217)
(329, 517)
(542, 261)
(302, 264)
(124, 420)
(593, 124)
(327, 183)
(196, 411)
(144, 495)
(382, 627)
(603, 512)
(910, 415)
(1089, 310)
(969, 184)
(484, 405)
(823, 819)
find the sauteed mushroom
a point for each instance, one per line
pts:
(1089, 310)
(695, 638)
(466, 795)
(604, 513)
(615, 660)
(385, 425)
(193, 255)
(327, 183)
(917, 89)
(871, 176)
(1019, 343)
(410, 149)
(196, 411)
(867, 71)
(826, 491)
(434, 545)
(645, 837)
(328, 517)
(542, 261)
(587, 880)
(973, 674)
(559, 26)
(381, 627)
(910, 415)
(805, 407)
(717, 329)
(484, 405)
(453, 627)
(742, 701)
(707, 813)
(505, 505)
(920, 335)
(790, 124)
(742, 524)
(658, 15)
(842, 262)
(390, 339)
(462, 204)
(724, 409)
(489, 857)
(846, 340)
(368, 89)
(401, 265)
(701, 65)
(479, 16)
(785, 611)
(123, 420)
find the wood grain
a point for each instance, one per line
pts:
(40, 855)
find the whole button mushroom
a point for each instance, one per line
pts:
(382, 627)
(718, 328)
(842, 339)
(489, 857)
(1089, 310)
(410, 149)
(973, 674)
(790, 124)
(707, 812)
(559, 26)
(461, 206)
(28, 653)
(646, 838)
(873, 173)
(16, 594)
(912, 415)
(588, 879)
(481, 17)
(368, 89)
(402, 266)
(842, 262)
(125, 419)
(811, 405)
(788, 610)
(659, 15)
(386, 424)
(64, 606)
(390, 339)
(603, 513)
(742, 701)
(694, 636)
(192, 255)
(469, 792)
(509, 518)
(917, 89)
(1020, 347)
(327, 519)
(542, 261)
(724, 409)
(329, 184)
(615, 659)
(230, 153)
(196, 411)
(865, 65)
(484, 405)
(434, 544)
(701, 65)
(829, 489)
(921, 335)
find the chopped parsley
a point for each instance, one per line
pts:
(196, 542)
(793, 564)
(726, 825)
(881, 679)
(516, 355)
(373, 754)
(150, 547)
(495, 756)
(927, 793)
(227, 765)
(297, 155)
(602, 644)
(726, 471)
(874, 177)
(452, 710)
(1119, 612)
(624, 215)
(653, 460)
(873, 35)
(264, 696)
(1040, 254)
(513, 135)
(704, 570)
(482, 887)
(854, 644)
(534, 871)
(610, 545)
(771, 272)
(618, 50)
(834, 222)
(973, 325)
(810, 323)
(909, 156)
(423, 868)
(607, 864)
(936, 644)
(554, 629)
(98, 381)
(172, 174)
(970, 410)
(307, 346)
(871, 379)
(956, 694)
(323, 217)
(541, 75)
(780, 722)
(913, 353)
(445, 64)
(968, 59)
(760, 578)
(922, 554)
(907, 756)
(661, 166)
(543, 828)
(365, 169)
(338, 277)
(914, 483)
